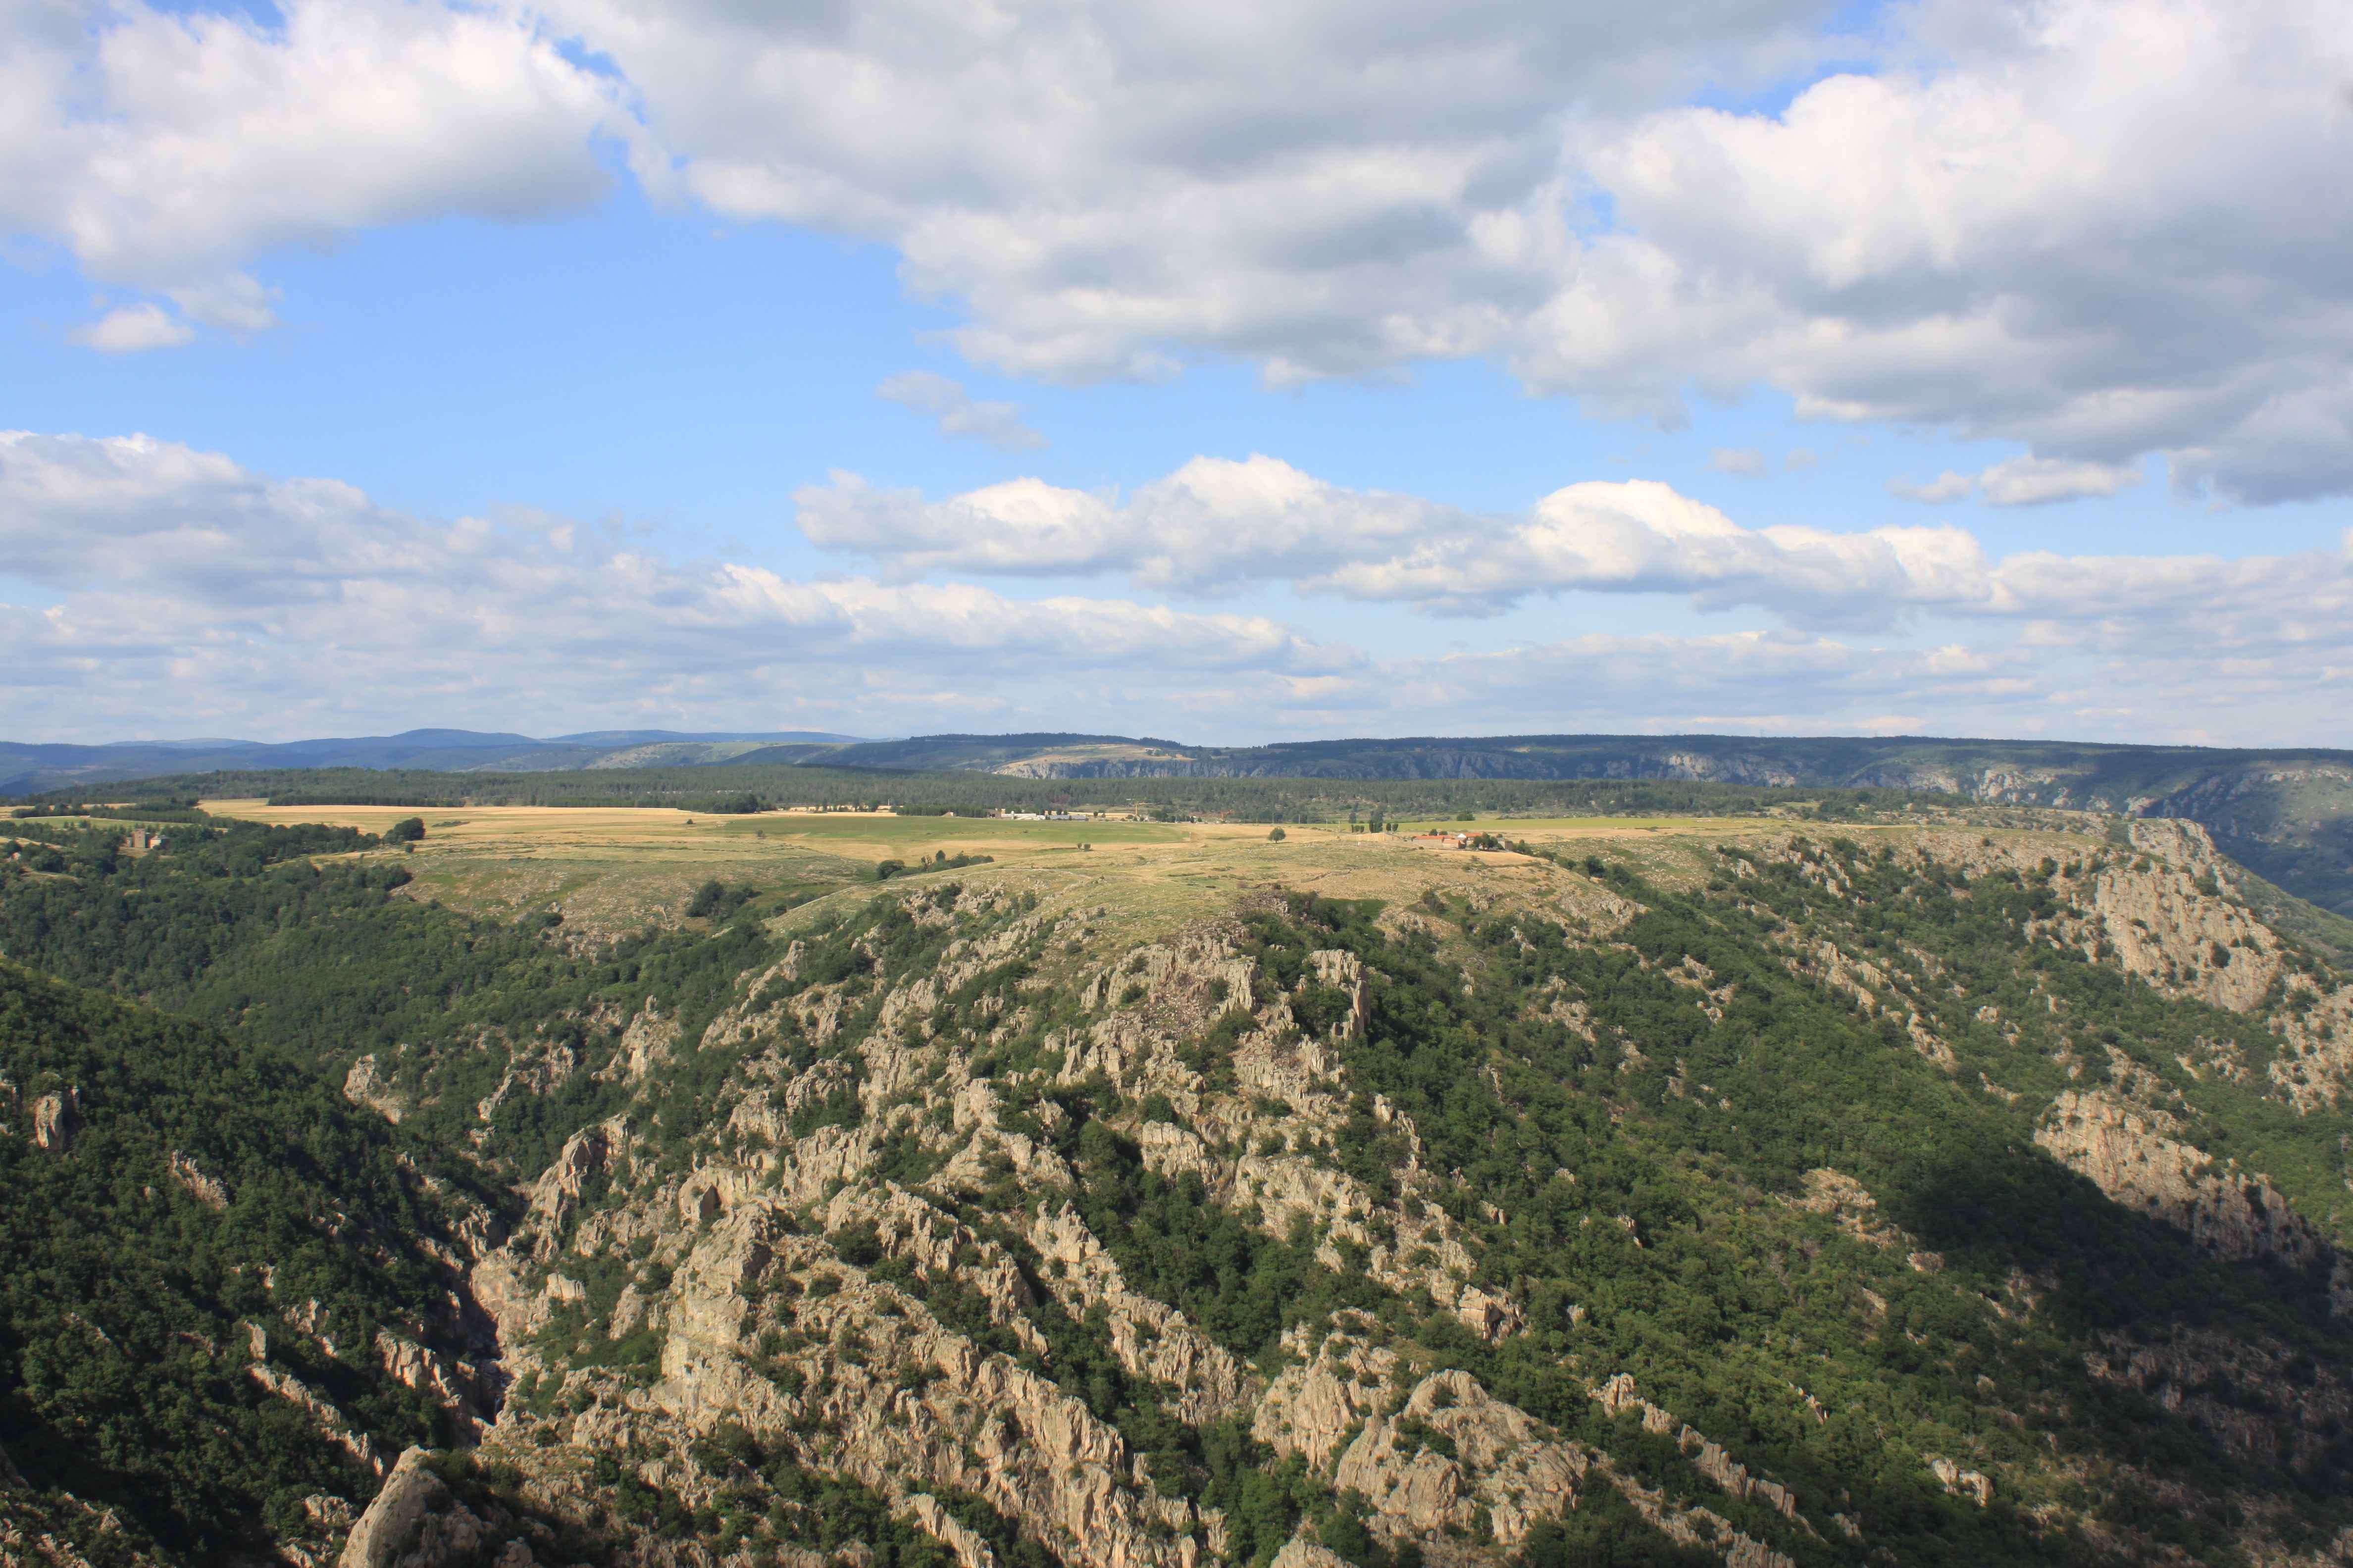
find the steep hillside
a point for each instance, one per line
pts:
(227, 1295)
(1935, 1196)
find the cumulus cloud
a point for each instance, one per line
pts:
(957, 412)
(134, 328)
(2086, 225)
(175, 566)
(1216, 523)
(165, 148)
(1745, 461)
(168, 581)
(2099, 228)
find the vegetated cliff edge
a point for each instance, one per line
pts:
(1948, 1196)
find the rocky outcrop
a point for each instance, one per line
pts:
(414, 1522)
(1454, 1456)
(2138, 1155)
(364, 1084)
(459, 1387)
(1961, 1481)
(645, 1045)
(56, 1118)
(331, 1423)
(903, 1403)
(1151, 1338)
(2168, 917)
(1446, 1460)
(1849, 1204)
(2263, 1401)
(1618, 1396)
(1340, 1378)
(1873, 991)
(209, 1191)
(2314, 1064)
(555, 1195)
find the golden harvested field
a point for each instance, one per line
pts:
(610, 870)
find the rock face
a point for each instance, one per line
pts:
(414, 1522)
(1961, 1481)
(2171, 923)
(57, 1118)
(2136, 1154)
(363, 1085)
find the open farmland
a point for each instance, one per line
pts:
(608, 870)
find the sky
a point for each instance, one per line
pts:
(1226, 371)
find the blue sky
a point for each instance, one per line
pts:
(515, 400)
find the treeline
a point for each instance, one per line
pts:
(734, 790)
(141, 811)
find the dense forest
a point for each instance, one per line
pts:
(184, 1208)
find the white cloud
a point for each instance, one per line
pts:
(1801, 457)
(1942, 490)
(1745, 461)
(2091, 225)
(172, 582)
(2023, 481)
(2098, 228)
(165, 150)
(175, 566)
(2037, 481)
(1216, 523)
(134, 328)
(957, 412)
(235, 301)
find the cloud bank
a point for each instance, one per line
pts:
(1217, 524)
(160, 579)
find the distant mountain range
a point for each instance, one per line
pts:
(2285, 812)
(27, 768)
